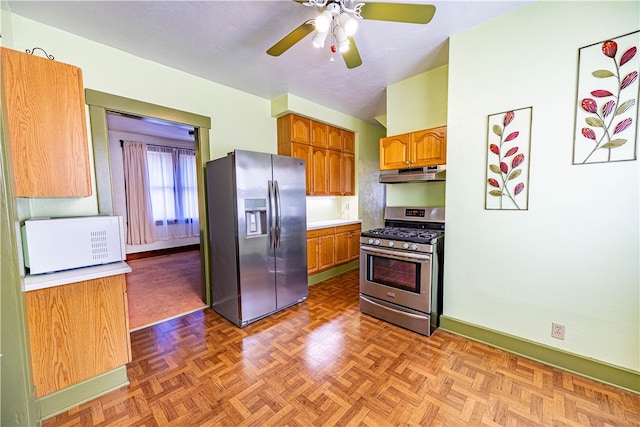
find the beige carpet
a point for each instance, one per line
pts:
(163, 287)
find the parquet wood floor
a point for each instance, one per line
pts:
(323, 363)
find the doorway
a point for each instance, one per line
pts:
(102, 107)
(165, 281)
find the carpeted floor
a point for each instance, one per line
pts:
(163, 287)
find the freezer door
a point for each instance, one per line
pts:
(256, 264)
(291, 230)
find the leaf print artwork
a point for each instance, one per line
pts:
(507, 160)
(607, 111)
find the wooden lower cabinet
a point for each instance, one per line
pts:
(332, 246)
(347, 243)
(77, 331)
(312, 254)
(320, 249)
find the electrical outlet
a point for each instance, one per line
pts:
(557, 331)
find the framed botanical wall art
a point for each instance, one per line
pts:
(606, 121)
(508, 147)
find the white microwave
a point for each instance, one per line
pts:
(56, 244)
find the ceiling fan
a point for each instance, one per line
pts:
(338, 19)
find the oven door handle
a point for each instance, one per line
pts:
(404, 313)
(396, 254)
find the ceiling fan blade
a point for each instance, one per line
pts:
(399, 12)
(292, 38)
(352, 56)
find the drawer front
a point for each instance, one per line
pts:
(347, 228)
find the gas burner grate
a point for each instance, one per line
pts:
(404, 234)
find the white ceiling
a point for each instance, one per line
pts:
(226, 41)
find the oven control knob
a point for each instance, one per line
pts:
(405, 245)
(414, 247)
(391, 244)
(370, 241)
(377, 242)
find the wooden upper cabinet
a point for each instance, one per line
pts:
(320, 179)
(294, 128)
(416, 149)
(303, 151)
(46, 126)
(335, 138)
(328, 151)
(429, 147)
(319, 134)
(347, 175)
(395, 152)
(348, 142)
(334, 158)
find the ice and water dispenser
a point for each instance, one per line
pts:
(255, 215)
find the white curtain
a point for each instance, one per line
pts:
(140, 224)
(173, 190)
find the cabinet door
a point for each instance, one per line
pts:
(334, 160)
(342, 248)
(354, 245)
(303, 151)
(319, 134)
(67, 321)
(319, 172)
(300, 129)
(335, 138)
(347, 173)
(312, 255)
(46, 126)
(348, 142)
(326, 252)
(429, 147)
(394, 152)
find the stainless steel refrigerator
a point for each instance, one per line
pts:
(257, 213)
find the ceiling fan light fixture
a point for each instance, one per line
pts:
(349, 24)
(341, 37)
(323, 21)
(319, 39)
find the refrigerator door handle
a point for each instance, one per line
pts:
(272, 216)
(278, 215)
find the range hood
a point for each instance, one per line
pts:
(427, 173)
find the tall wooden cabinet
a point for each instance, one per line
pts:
(416, 149)
(329, 154)
(77, 331)
(46, 124)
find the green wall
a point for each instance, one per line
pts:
(572, 257)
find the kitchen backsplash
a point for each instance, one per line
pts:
(328, 208)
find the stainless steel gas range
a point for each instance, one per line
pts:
(401, 268)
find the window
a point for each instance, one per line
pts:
(173, 188)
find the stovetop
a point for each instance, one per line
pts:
(404, 234)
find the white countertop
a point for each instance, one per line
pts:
(48, 280)
(331, 223)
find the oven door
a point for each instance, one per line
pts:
(403, 278)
